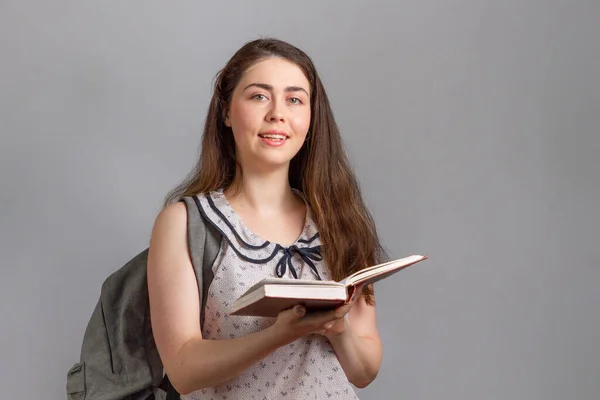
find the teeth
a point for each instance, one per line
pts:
(276, 137)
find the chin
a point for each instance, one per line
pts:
(275, 159)
(276, 163)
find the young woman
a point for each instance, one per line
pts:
(274, 178)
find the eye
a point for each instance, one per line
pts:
(259, 97)
(295, 100)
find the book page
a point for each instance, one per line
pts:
(380, 271)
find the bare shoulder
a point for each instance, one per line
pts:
(171, 219)
(168, 254)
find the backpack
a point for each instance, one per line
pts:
(119, 359)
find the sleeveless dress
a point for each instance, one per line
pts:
(304, 369)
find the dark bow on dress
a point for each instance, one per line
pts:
(308, 254)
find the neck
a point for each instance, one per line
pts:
(263, 192)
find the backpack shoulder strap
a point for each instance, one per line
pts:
(204, 243)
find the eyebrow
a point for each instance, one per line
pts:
(270, 87)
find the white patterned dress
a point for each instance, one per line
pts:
(305, 369)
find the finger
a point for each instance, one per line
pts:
(355, 294)
(345, 308)
(318, 319)
(298, 311)
(359, 291)
(293, 313)
(360, 288)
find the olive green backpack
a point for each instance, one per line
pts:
(119, 359)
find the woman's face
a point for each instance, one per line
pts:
(269, 114)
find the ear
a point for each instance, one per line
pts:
(226, 120)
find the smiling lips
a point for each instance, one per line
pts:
(273, 138)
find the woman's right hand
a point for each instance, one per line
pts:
(294, 323)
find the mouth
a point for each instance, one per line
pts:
(274, 135)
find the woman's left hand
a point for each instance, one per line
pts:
(339, 326)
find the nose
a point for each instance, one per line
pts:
(275, 113)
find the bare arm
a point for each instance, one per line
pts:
(191, 362)
(357, 344)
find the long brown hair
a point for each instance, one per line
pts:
(320, 170)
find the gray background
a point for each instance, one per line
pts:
(473, 126)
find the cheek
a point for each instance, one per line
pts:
(301, 123)
(242, 120)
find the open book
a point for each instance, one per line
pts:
(272, 295)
